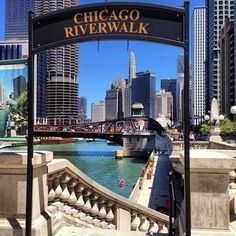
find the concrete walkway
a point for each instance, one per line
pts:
(155, 192)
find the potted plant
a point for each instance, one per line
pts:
(174, 133)
(149, 175)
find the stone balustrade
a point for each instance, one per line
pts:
(83, 201)
(178, 146)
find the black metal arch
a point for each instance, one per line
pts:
(45, 32)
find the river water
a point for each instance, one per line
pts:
(97, 160)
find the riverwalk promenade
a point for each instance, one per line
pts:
(154, 192)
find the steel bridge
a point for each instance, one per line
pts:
(109, 130)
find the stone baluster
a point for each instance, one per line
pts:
(56, 185)
(79, 188)
(162, 228)
(144, 226)
(110, 215)
(87, 206)
(102, 211)
(153, 227)
(64, 179)
(51, 192)
(94, 210)
(135, 221)
(71, 185)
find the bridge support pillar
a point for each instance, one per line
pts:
(138, 144)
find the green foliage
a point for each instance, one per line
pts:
(227, 126)
(205, 128)
(18, 110)
(196, 129)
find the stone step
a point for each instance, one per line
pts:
(74, 231)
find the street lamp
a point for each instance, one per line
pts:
(206, 118)
(233, 111)
(215, 132)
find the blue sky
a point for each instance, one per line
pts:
(101, 63)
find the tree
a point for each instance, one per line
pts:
(18, 111)
(227, 126)
(205, 128)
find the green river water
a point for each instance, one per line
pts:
(97, 160)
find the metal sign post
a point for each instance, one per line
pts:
(186, 124)
(29, 188)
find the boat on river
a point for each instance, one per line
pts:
(57, 140)
(90, 140)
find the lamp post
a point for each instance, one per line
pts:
(233, 111)
(206, 118)
(215, 132)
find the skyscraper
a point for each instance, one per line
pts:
(127, 91)
(180, 97)
(198, 60)
(216, 12)
(19, 85)
(98, 111)
(111, 103)
(82, 109)
(16, 23)
(169, 85)
(132, 67)
(227, 76)
(114, 100)
(3, 97)
(164, 104)
(143, 90)
(62, 72)
(179, 88)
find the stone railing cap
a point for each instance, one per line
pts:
(210, 160)
(19, 158)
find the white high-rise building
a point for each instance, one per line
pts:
(132, 67)
(198, 60)
(216, 12)
(2, 94)
(98, 111)
(164, 104)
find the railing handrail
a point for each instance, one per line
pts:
(59, 165)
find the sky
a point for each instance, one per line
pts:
(101, 63)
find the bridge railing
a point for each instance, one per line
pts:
(73, 193)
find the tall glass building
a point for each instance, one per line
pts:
(216, 12)
(143, 90)
(169, 85)
(16, 23)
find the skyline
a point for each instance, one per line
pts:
(110, 59)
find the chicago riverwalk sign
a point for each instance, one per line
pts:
(107, 21)
(111, 21)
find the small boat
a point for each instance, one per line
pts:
(90, 140)
(112, 143)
